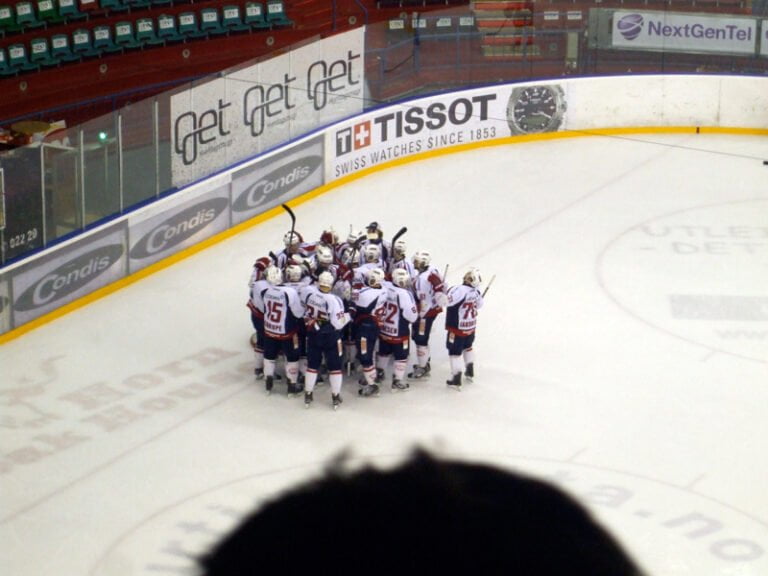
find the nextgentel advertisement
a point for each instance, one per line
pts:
(257, 108)
(683, 32)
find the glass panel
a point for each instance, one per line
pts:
(139, 153)
(61, 191)
(23, 201)
(101, 176)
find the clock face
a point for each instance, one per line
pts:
(536, 109)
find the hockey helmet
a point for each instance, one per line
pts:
(329, 236)
(324, 255)
(376, 277)
(292, 239)
(399, 249)
(293, 272)
(274, 275)
(372, 253)
(353, 236)
(325, 281)
(422, 259)
(401, 278)
(472, 277)
(374, 231)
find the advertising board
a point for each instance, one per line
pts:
(71, 272)
(275, 179)
(681, 32)
(252, 110)
(182, 222)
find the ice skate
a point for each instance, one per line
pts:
(307, 399)
(369, 390)
(398, 385)
(336, 399)
(379, 375)
(470, 372)
(419, 372)
(455, 381)
(268, 384)
(258, 373)
(294, 389)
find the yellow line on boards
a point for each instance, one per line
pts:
(312, 194)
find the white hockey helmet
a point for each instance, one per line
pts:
(399, 249)
(376, 277)
(401, 278)
(422, 259)
(324, 255)
(274, 275)
(372, 252)
(472, 277)
(353, 236)
(294, 272)
(325, 281)
(292, 239)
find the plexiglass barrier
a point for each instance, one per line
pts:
(90, 173)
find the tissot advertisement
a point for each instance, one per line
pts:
(257, 108)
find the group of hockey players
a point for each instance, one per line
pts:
(339, 305)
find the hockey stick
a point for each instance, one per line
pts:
(489, 285)
(445, 273)
(400, 232)
(293, 217)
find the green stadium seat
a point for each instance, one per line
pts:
(254, 16)
(146, 34)
(61, 49)
(210, 22)
(5, 68)
(124, 35)
(82, 43)
(167, 29)
(26, 17)
(18, 58)
(8, 19)
(70, 11)
(40, 53)
(188, 27)
(276, 13)
(231, 20)
(113, 6)
(48, 12)
(103, 41)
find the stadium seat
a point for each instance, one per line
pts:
(231, 20)
(82, 43)
(40, 53)
(5, 68)
(61, 49)
(18, 58)
(137, 4)
(48, 13)
(146, 34)
(70, 10)
(113, 6)
(276, 13)
(124, 35)
(254, 16)
(188, 27)
(26, 17)
(102, 40)
(167, 30)
(210, 22)
(8, 20)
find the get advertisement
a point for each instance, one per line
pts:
(252, 110)
(69, 273)
(680, 32)
(413, 127)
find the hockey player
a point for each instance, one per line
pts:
(398, 260)
(395, 316)
(283, 311)
(375, 235)
(324, 318)
(464, 301)
(371, 258)
(294, 244)
(365, 328)
(431, 299)
(257, 283)
(297, 277)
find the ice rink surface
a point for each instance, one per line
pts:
(622, 353)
